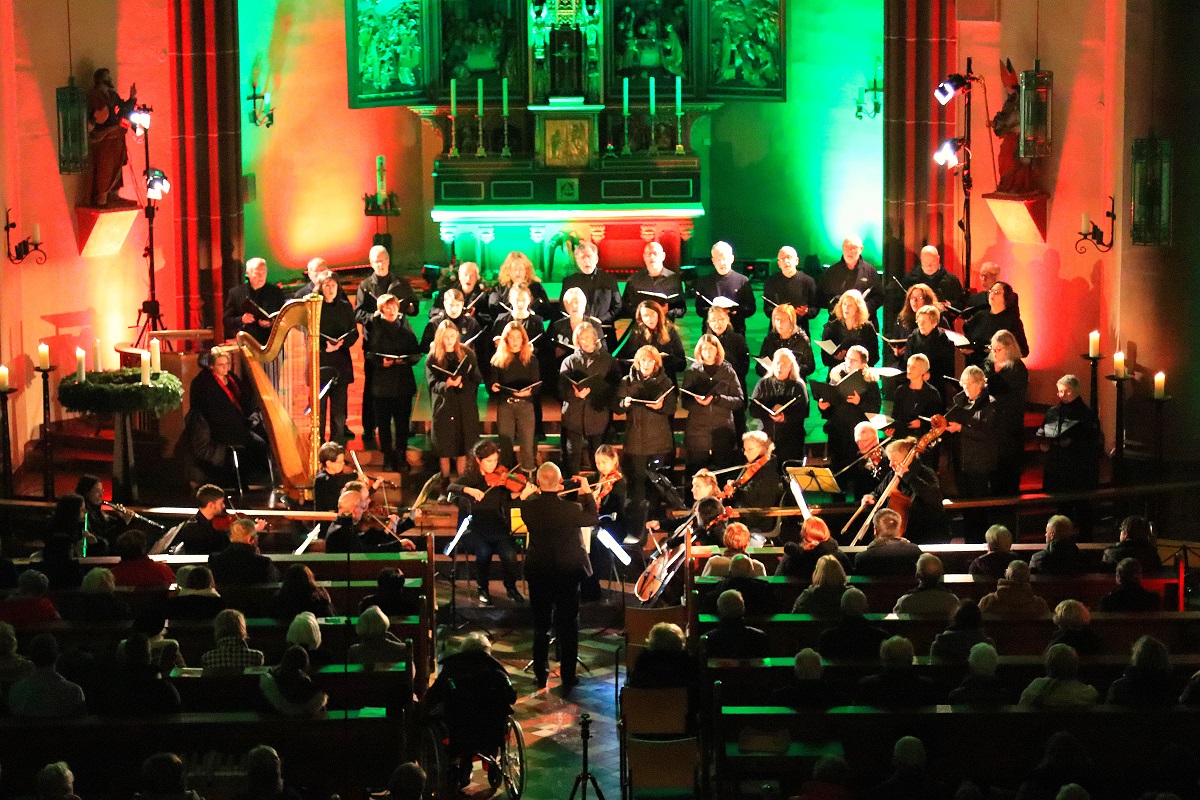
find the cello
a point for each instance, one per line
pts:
(669, 558)
(890, 498)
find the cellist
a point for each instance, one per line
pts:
(918, 484)
(757, 485)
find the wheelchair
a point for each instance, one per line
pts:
(505, 765)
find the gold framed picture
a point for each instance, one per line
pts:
(567, 142)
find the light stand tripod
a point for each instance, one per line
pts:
(149, 319)
(585, 776)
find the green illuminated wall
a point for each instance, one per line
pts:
(804, 172)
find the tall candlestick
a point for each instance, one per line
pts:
(155, 356)
(380, 178)
(504, 96)
(145, 368)
(625, 97)
(479, 86)
(3, 379)
(454, 97)
(43, 356)
(652, 104)
(96, 363)
(80, 368)
(678, 95)
(1094, 344)
(1119, 364)
(1160, 385)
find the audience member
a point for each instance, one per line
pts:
(1064, 761)
(56, 782)
(800, 558)
(823, 597)
(1014, 596)
(299, 592)
(288, 690)
(240, 563)
(1073, 791)
(898, 685)
(1061, 687)
(1147, 680)
(264, 777)
(304, 631)
(407, 782)
(756, 592)
(809, 691)
(1130, 595)
(44, 692)
(735, 541)
(831, 780)
(732, 637)
(664, 663)
(13, 667)
(910, 779)
(888, 553)
(1074, 623)
(197, 596)
(59, 563)
(96, 600)
(392, 596)
(164, 652)
(164, 777)
(965, 631)
(135, 568)
(29, 605)
(931, 598)
(376, 644)
(853, 638)
(1136, 541)
(1062, 555)
(136, 688)
(981, 687)
(999, 555)
(232, 653)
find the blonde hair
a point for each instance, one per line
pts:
(716, 311)
(437, 352)
(575, 293)
(783, 311)
(709, 478)
(1012, 352)
(648, 351)
(503, 355)
(919, 358)
(666, 637)
(99, 580)
(578, 330)
(856, 299)
(784, 354)
(505, 278)
(763, 440)
(829, 572)
(709, 339)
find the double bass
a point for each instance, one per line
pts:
(892, 499)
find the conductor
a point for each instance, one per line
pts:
(555, 563)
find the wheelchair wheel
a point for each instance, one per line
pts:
(431, 755)
(511, 762)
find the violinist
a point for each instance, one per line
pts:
(198, 535)
(453, 378)
(712, 396)
(915, 399)
(780, 403)
(345, 534)
(648, 397)
(332, 478)
(609, 492)
(757, 486)
(586, 382)
(515, 387)
(382, 533)
(704, 484)
(708, 523)
(927, 520)
(863, 474)
(842, 415)
(485, 492)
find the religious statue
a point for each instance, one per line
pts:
(1017, 175)
(108, 120)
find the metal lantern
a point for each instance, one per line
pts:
(72, 127)
(1151, 191)
(1037, 101)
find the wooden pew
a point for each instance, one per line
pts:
(349, 686)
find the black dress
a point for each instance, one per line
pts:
(789, 435)
(981, 327)
(455, 411)
(1071, 436)
(337, 368)
(710, 436)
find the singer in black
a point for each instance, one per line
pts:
(792, 287)
(393, 349)
(452, 374)
(654, 328)
(780, 403)
(599, 289)
(657, 284)
(338, 334)
(648, 397)
(515, 387)
(587, 382)
(453, 308)
(381, 281)
(555, 563)
(786, 332)
(726, 283)
(487, 501)
(249, 305)
(712, 396)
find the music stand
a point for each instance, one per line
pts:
(814, 479)
(452, 551)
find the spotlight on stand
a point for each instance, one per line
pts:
(947, 154)
(139, 118)
(157, 184)
(952, 87)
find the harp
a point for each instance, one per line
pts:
(292, 393)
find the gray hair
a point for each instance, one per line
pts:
(999, 539)
(731, 605)
(983, 659)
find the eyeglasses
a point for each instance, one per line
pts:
(996, 290)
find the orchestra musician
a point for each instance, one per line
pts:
(972, 416)
(785, 332)
(515, 386)
(790, 286)
(757, 485)
(705, 484)
(485, 492)
(586, 382)
(453, 308)
(851, 271)
(926, 516)
(1008, 383)
(849, 326)
(651, 327)
(915, 400)
(863, 473)
(229, 410)
(930, 340)
(600, 290)
(649, 398)
(728, 284)
(345, 534)
(1003, 314)
(381, 281)
(843, 414)
(609, 492)
(656, 284)
(453, 378)
(100, 525)
(780, 403)
(712, 395)
(331, 479)
(248, 305)
(392, 347)
(517, 270)
(338, 333)
(709, 522)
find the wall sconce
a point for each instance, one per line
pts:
(261, 112)
(870, 108)
(1151, 174)
(27, 246)
(1090, 231)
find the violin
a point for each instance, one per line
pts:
(605, 485)
(748, 473)
(889, 498)
(504, 477)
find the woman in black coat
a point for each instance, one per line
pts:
(516, 387)
(453, 378)
(842, 415)
(712, 396)
(649, 398)
(1008, 383)
(394, 350)
(339, 332)
(851, 325)
(780, 403)
(972, 416)
(786, 333)
(1003, 314)
(652, 327)
(587, 384)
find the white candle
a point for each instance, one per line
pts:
(80, 368)
(652, 104)
(479, 89)
(36, 238)
(1119, 364)
(678, 96)
(1160, 385)
(1085, 226)
(145, 368)
(625, 97)
(1094, 344)
(3, 379)
(454, 97)
(380, 178)
(155, 356)
(97, 364)
(504, 96)
(43, 356)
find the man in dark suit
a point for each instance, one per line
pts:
(1130, 595)
(240, 563)
(725, 283)
(555, 564)
(1062, 555)
(888, 553)
(381, 281)
(733, 638)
